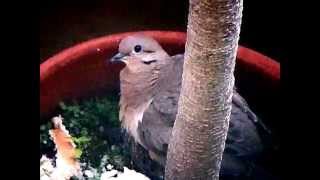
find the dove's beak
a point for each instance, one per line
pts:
(118, 58)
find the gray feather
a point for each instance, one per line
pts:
(243, 140)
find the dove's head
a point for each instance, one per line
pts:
(144, 59)
(140, 53)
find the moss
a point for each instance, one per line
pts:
(95, 128)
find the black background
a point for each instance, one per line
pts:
(65, 23)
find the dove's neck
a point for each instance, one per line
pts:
(131, 117)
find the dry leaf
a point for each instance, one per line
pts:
(66, 162)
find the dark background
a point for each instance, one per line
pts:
(66, 23)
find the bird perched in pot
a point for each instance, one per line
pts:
(150, 86)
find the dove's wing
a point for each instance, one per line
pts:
(243, 140)
(156, 126)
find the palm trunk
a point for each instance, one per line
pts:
(200, 130)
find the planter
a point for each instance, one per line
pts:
(82, 71)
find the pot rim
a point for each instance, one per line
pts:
(252, 58)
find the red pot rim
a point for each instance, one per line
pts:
(71, 57)
(252, 58)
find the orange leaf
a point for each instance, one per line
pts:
(67, 163)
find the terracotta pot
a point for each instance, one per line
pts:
(82, 71)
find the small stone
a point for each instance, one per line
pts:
(88, 173)
(108, 175)
(109, 166)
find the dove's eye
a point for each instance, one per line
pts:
(137, 48)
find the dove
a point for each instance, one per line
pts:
(150, 85)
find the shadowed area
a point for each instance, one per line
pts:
(66, 23)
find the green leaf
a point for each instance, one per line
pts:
(78, 153)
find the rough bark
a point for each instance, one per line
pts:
(199, 133)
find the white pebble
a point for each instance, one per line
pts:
(108, 175)
(88, 173)
(109, 166)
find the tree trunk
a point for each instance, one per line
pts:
(200, 130)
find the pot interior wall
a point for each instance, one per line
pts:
(84, 71)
